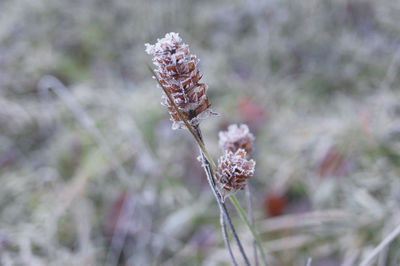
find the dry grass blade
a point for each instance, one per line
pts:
(385, 242)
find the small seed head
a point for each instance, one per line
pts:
(236, 138)
(178, 72)
(233, 171)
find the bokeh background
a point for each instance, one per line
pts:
(92, 174)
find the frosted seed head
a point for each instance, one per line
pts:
(236, 138)
(178, 72)
(233, 172)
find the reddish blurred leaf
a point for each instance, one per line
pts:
(333, 164)
(111, 224)
(274, 203)
(252, 113)
(365, 120)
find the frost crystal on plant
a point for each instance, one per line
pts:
(236, 138)
(233, 171)
(178, 72)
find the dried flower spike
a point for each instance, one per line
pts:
(236, 138)
(233, 171)
(178, 72)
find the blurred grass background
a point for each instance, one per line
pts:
(317, 82)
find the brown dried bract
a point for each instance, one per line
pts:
(178, 73)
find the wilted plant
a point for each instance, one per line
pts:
(185, 97)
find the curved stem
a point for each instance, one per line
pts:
(221, 204)
(253, 232)
(250, 213)
(226, 238)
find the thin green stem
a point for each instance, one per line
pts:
(246, 220)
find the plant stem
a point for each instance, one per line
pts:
(395, 233)
(207, 158)
(250, 213)
(226, 238)
(221, 204)
(253, 232)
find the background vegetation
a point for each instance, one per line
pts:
(317, 81)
